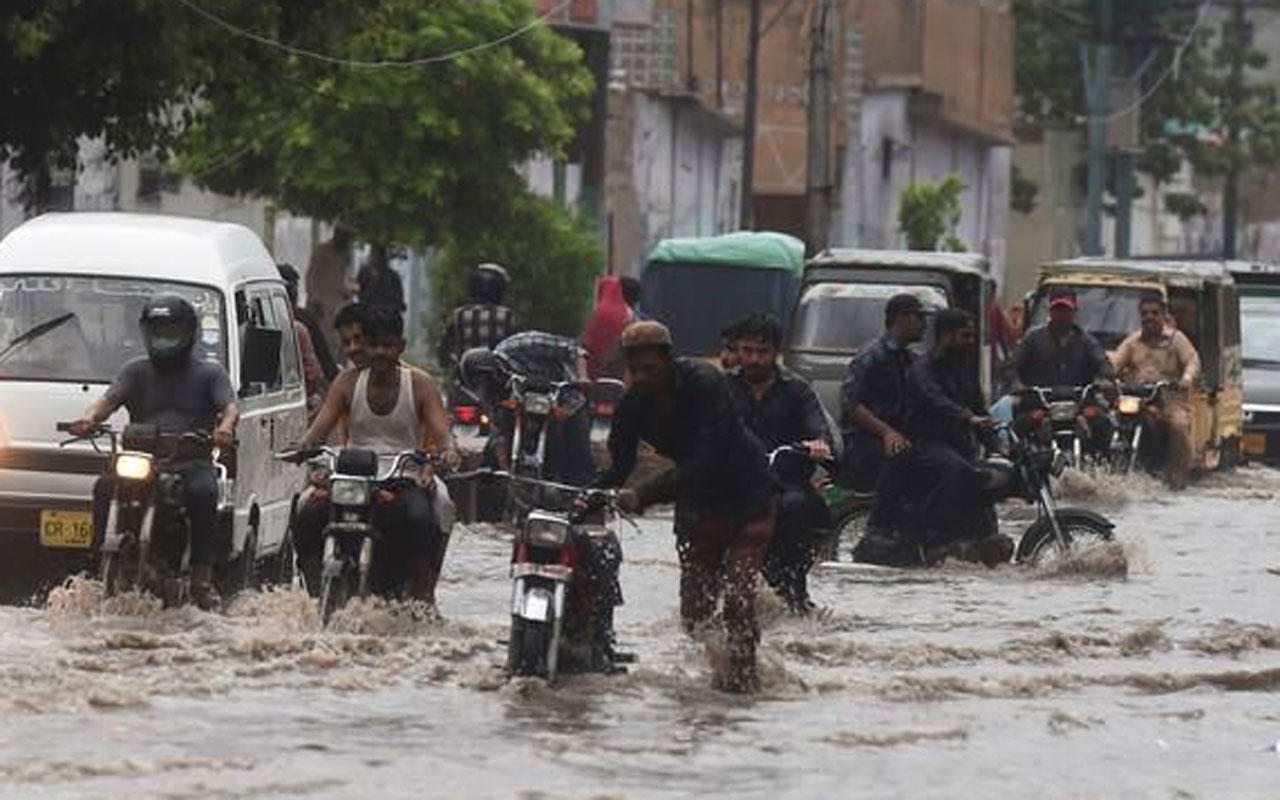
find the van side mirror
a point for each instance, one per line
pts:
(260, 357)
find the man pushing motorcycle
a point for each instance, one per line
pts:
(177, 394)
(388, 408)
(723, 492)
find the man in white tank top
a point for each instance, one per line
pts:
(388, 408)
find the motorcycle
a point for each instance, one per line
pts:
(466, 413)
(1137, 409)
(1024, 457)
(145, 544)
(564, 585)
(354, 487)
(1076, 413)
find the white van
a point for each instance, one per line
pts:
(97, 270)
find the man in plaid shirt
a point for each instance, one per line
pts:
(483, 322)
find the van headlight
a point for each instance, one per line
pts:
(349, 492)
(134, 466)
(1130, 404)
(546, 531)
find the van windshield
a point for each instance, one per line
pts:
(845, 317)
(64, 328)
(1260, 330)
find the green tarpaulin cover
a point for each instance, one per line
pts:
(763, 250)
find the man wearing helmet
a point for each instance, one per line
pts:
(178, 394)
(484, 320)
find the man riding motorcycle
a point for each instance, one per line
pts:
(1161, 353)
(1060, 354)
(388, 408)
(937, 476)
(723, 492)
(873, 397)
(781, 409)
(543, 357)
(483, 321)
(178, 394)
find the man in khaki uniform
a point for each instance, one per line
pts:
(1160, 353)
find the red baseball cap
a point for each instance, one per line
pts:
(1063, 300)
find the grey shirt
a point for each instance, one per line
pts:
(188, 399)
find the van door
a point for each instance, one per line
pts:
(269, 420)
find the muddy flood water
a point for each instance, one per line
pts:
(1151, 670)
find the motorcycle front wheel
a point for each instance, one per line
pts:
(1080, 528)
(118, 571)
(336, 590)
(846, 533)
(529, 647)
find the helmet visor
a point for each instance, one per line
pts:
(165, 337)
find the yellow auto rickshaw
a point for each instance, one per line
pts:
(1205, 305)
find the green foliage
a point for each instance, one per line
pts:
(553, 258)
(928, 214)
(403, 155)
(77, 68)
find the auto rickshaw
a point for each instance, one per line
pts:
(840, 309)
(699, 286)
(1204, 303)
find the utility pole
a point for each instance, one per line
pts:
(746, 209)
(817, 210)
(1098, 90)
(1235, 99)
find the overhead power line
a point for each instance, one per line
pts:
(1187, 41)
(380, 64)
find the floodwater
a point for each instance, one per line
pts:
(1155, 681)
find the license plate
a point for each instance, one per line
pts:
(66, 529)
(1255, 444)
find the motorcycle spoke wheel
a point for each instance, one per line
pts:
(528, 648)
(848, 534)
(1080, 536)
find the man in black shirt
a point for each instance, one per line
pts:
(1060, 353)
(873, 397)
(938, 477)
(781, 409)
(721, 486)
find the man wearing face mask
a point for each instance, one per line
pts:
(783, 410)
(178, 394)
(724, 495)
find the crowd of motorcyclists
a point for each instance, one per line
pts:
(748, 440)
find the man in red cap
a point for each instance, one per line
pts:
(1060, 353)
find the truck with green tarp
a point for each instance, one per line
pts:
(701, 285)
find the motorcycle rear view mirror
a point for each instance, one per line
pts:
(260, 359)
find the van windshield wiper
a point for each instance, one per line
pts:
(35, 333)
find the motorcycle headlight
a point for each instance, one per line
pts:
(134, 466)
(1130, 404)
(537, 404)
(546, 530)
(1062, 412)
(349, 492)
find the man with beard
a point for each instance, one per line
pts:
(781, 409)
(723, 492)
(945, 420)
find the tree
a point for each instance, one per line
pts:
(404, 155)
(125, 71)
(553, 258)
(928, 214)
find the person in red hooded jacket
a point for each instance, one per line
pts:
(604, 329)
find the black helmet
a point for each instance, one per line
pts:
(169, 330)
(488, 283)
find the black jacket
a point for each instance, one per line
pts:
(944, 394)
(789, 413)
(720, 467)
(877, 379)
(1077, 361)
